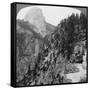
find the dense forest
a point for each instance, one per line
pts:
(53, 58)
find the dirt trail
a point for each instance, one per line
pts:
(77, 76)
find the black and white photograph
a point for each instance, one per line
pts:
(51, 45)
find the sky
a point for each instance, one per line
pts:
(52, 14)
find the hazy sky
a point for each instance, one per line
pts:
(53, 15)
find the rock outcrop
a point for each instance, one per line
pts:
(35, 17)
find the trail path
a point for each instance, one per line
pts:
(77, 76)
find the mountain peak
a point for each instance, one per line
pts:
(35, 17)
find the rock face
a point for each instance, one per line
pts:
(35, 17)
